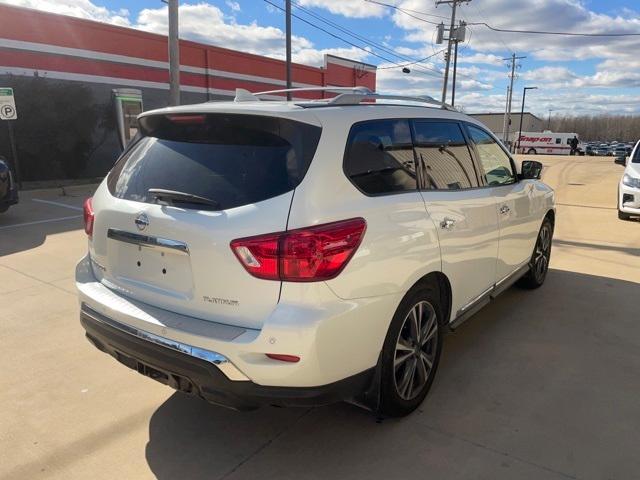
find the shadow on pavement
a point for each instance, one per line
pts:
(539, 384)
(38, 215)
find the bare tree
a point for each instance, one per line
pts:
(623, 128)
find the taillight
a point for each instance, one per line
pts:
(303, 255)
(89, 217)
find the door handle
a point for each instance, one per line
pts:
(504, 209)
(447, 223)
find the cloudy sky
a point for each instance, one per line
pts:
(574, 74)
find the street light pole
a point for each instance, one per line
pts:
(549, 120)
(524, 95)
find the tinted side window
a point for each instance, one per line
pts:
(444, 156)
(636, 155)
(495, 162)
(379, 157)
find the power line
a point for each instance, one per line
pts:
(417, 61)
(384, 48)
(404, 10)
(370, 52)
(499, 37)
(543, 32)
(508, 30)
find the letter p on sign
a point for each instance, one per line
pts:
(7, 104)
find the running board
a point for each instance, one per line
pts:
(484, 298)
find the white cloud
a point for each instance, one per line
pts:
(548, 15)
(348, 8)
(234, 6)
(76, 8)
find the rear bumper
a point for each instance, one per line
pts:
(204, 375)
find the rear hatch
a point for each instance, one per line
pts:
(189, 186)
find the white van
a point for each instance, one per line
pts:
(547, 142)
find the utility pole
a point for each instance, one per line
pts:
(174, 54)
(507, 115)
(288, 22)
(455, 68)
(460, 33)
(454, 6)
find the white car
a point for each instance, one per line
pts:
(629, 188)
(306, 252)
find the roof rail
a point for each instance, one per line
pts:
(345, 96)
(243, 95)
(355, 99)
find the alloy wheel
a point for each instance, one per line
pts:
(416, 349)
(543, 252)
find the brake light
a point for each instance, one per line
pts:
(303, 255)
(187, 119)
(89, 216)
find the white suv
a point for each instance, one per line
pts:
(306, 252)
(629, 187)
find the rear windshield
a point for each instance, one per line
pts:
(231, 159)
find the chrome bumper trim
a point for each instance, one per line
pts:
(217, 359)
(148, 241)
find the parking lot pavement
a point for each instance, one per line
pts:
(540, 384)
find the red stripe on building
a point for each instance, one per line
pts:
(27, 25)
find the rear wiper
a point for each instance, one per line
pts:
(171, 196)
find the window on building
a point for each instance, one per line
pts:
(558, 141)
(379, 157)
(444, 156)
(495, 162)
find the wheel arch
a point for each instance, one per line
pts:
(551, 215)
(444, 292)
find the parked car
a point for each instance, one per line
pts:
(8, 187)
(589, 149)
(602, 150)
(302, 253)
(619, 152)
(629, 187)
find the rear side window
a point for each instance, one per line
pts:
(495, 162)
(379, 157)
(444, 156)
(231, 159)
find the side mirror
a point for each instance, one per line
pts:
(530, 170)
(621, 161)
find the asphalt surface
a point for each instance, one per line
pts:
(541, 384)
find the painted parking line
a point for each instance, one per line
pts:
(26, 224)
(57, 204)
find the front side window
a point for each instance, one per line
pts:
(495, 162)
(379, 157)
(444, 156)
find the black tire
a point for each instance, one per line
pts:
(540, 258)
(532, 151)
(623, 216)
(4, 208)
(406, 376)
